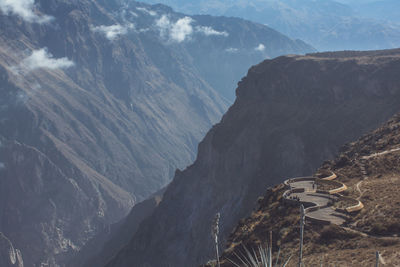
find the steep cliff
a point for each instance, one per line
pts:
(100, 102)
(369, 167)
(291, 113)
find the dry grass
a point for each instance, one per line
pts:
(375, 228)
(380, 197)
(325, 186)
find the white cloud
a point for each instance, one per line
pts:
(24, 9)
(145, 10)
(260, 48)
(164, 25)
(43, 59)
(113, 31)
(182, 29)
(231, 50)
(2, 166)
(210, 31)
(176, 32)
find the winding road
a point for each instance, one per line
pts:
(321, 210)
(320, 203)
(304, 190)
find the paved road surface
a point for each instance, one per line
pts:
(325, 213)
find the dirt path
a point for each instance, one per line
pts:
(381, 153)
(358, 187)
(361, 164)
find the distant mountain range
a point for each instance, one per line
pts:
(384, 10)
(100, 103)
(325, 24)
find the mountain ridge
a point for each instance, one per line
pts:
(100, 103)
(368, 166)
(327, 25)
(290, 113)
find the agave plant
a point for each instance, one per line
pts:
(262, 257)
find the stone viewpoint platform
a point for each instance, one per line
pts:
(319, 203)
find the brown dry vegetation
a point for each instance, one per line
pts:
(375, 228)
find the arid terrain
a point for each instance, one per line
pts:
(370, 169)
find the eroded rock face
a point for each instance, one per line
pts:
(291, 113)
(9, 256)
(98, 108)
(105, 245)
(44, 207)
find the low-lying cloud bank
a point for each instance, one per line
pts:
(208, 31)
(113, 31)
(43, 59)
(176, 32)
(182, 29)
(23, 9)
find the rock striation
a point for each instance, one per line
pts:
(100, 103)
(105, 245)
(291, 113)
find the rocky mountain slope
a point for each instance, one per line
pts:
(105, 245)
(290, 114)
(370, 169)
(100, 102)
(325, 24)
(384, 10)
(223, 58)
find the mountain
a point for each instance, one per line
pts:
(385, 10)
(100, 103)
(325, 24)
(369, 167)
(105, 245)
(235, 45)
(290, 114)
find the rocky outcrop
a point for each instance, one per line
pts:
(291, 113)
(369, 166)
(9, 256)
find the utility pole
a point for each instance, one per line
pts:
(215, 232)
(302, 221)
(270, 250)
